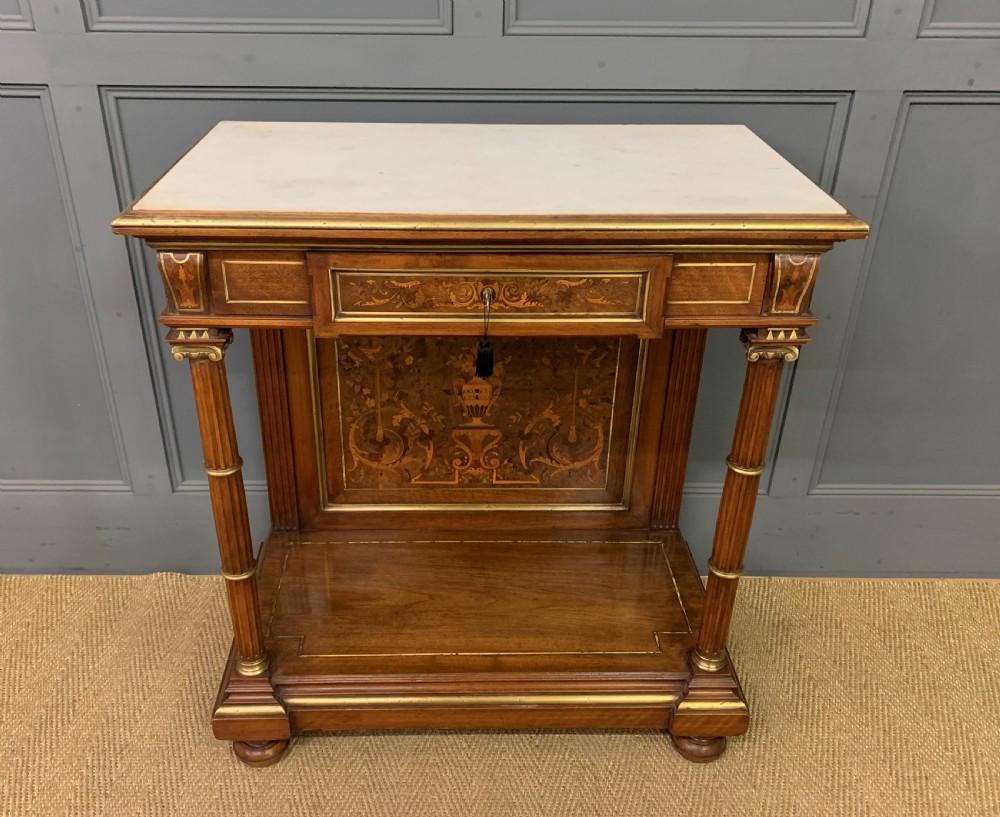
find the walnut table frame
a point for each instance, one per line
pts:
(454, 550)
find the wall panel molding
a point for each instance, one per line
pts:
(934, 23)
(903, 490)
(200, 486)
(15, 15)
(516, 24)
(41, 93)
(99, 16)
(889, 489)
(23, 486)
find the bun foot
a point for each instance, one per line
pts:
(264, 753)
(699, 750)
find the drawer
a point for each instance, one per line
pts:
(260, 283)
(717, 284)
(441, 293)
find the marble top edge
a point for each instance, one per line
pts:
(485, 171)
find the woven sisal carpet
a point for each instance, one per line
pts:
(871, 698)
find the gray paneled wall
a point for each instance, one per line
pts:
(59, 426)
(705, 18)
(884, 456)
(14, 14)
(264, 16)
(918, 404)
(961, 18)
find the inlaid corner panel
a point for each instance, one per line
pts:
(406, 420)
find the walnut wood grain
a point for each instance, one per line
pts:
(205, 351)
(736, 507)
(268, 346)
(232, 524)
(440, 293)
(700, 750)
(537, 600)
(257, 754)
(790, 289)
(247, 709)
(559, 630)
(687, 354)
(382, 603)
(708, 285)
(260, 283)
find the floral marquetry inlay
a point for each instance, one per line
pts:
(414, 415)
(572, 293)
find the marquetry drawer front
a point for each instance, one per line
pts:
(270, 283)
(422, 293)
(717, 285)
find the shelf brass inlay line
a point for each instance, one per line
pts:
(451, 700)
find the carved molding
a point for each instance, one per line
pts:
(184, 280)
(773, 343)
(199, 344)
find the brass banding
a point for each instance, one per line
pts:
(131, 222)
(724, 574)
(744, 470)
(251, 668)
(225, 472)
(250, 711)
(709, 663)
(692, 706)
(637, 699)
(238, 577)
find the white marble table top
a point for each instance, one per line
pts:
(488, 171)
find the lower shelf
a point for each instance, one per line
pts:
(445, 630)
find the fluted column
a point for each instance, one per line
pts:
(766, 350)
(205, 350)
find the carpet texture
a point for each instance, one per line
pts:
(869, 698)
